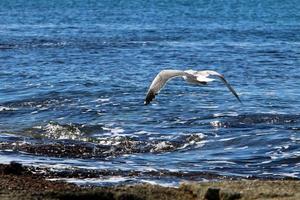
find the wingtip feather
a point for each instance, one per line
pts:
(150, 96)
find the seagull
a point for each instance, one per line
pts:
(190, 76)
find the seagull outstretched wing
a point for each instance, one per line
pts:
(191, 76)
(159, 82)
(204, 76)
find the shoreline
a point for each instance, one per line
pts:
(20, 182)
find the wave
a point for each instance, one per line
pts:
(57, 131)
(97, 141)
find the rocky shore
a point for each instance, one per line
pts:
(19, 182)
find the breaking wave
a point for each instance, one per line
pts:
(81, 141)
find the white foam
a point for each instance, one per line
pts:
(117, 130)
(293, 174)
(236, 148)
(3, 108)
(218, 114)
(113, 179)
(161, 146)
(220, 162)
(163, 184)
(61, 132)
(114, 130)
(198, 144)
(227, 139)
(278, 154)
(149, 169)
(102, 100)
(144, 133)
(295, 139)
(216, 124)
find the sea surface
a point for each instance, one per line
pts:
(74, 74)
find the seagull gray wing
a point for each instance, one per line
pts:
(159, 82)
(203, 75)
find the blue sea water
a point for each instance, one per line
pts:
(75, 73)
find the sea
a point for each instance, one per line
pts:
(74, 75)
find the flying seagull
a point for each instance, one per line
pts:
(190, 76)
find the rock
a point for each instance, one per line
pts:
(212, 194)
(14, 168)
(218, 194)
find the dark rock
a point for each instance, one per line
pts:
(14, 168)
(212, 194)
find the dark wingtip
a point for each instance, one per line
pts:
(239, 100)
(150, 96)
(237, 96)
(230, 88)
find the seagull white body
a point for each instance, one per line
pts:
(190, 76)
